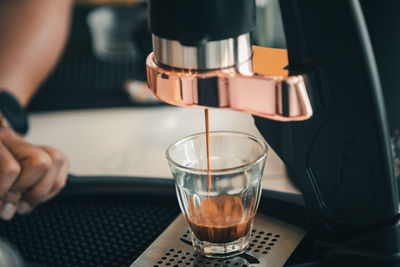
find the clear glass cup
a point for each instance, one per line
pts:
(220, 214)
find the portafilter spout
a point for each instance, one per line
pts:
(203, 57)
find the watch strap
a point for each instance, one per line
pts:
(13, 112)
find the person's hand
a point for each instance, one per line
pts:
(29, 174)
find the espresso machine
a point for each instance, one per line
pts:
(326, 105)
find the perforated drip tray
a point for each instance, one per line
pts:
(272, 242)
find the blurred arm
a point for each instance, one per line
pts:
(32, 36)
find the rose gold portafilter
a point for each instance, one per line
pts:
(225, 73)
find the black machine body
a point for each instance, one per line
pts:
(341, 159)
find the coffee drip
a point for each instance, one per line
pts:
(206, 119)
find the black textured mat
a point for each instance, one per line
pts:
(108, 231)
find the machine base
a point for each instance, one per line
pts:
(380, 247)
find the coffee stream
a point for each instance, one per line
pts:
(218, 219)
(208, 149)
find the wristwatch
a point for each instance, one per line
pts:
(13, 112)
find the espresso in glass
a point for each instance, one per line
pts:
(219, 219)
(218, 180)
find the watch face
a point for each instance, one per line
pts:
(13, 112)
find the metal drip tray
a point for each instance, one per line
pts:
(272, 242)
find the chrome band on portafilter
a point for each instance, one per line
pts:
(207, 55)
